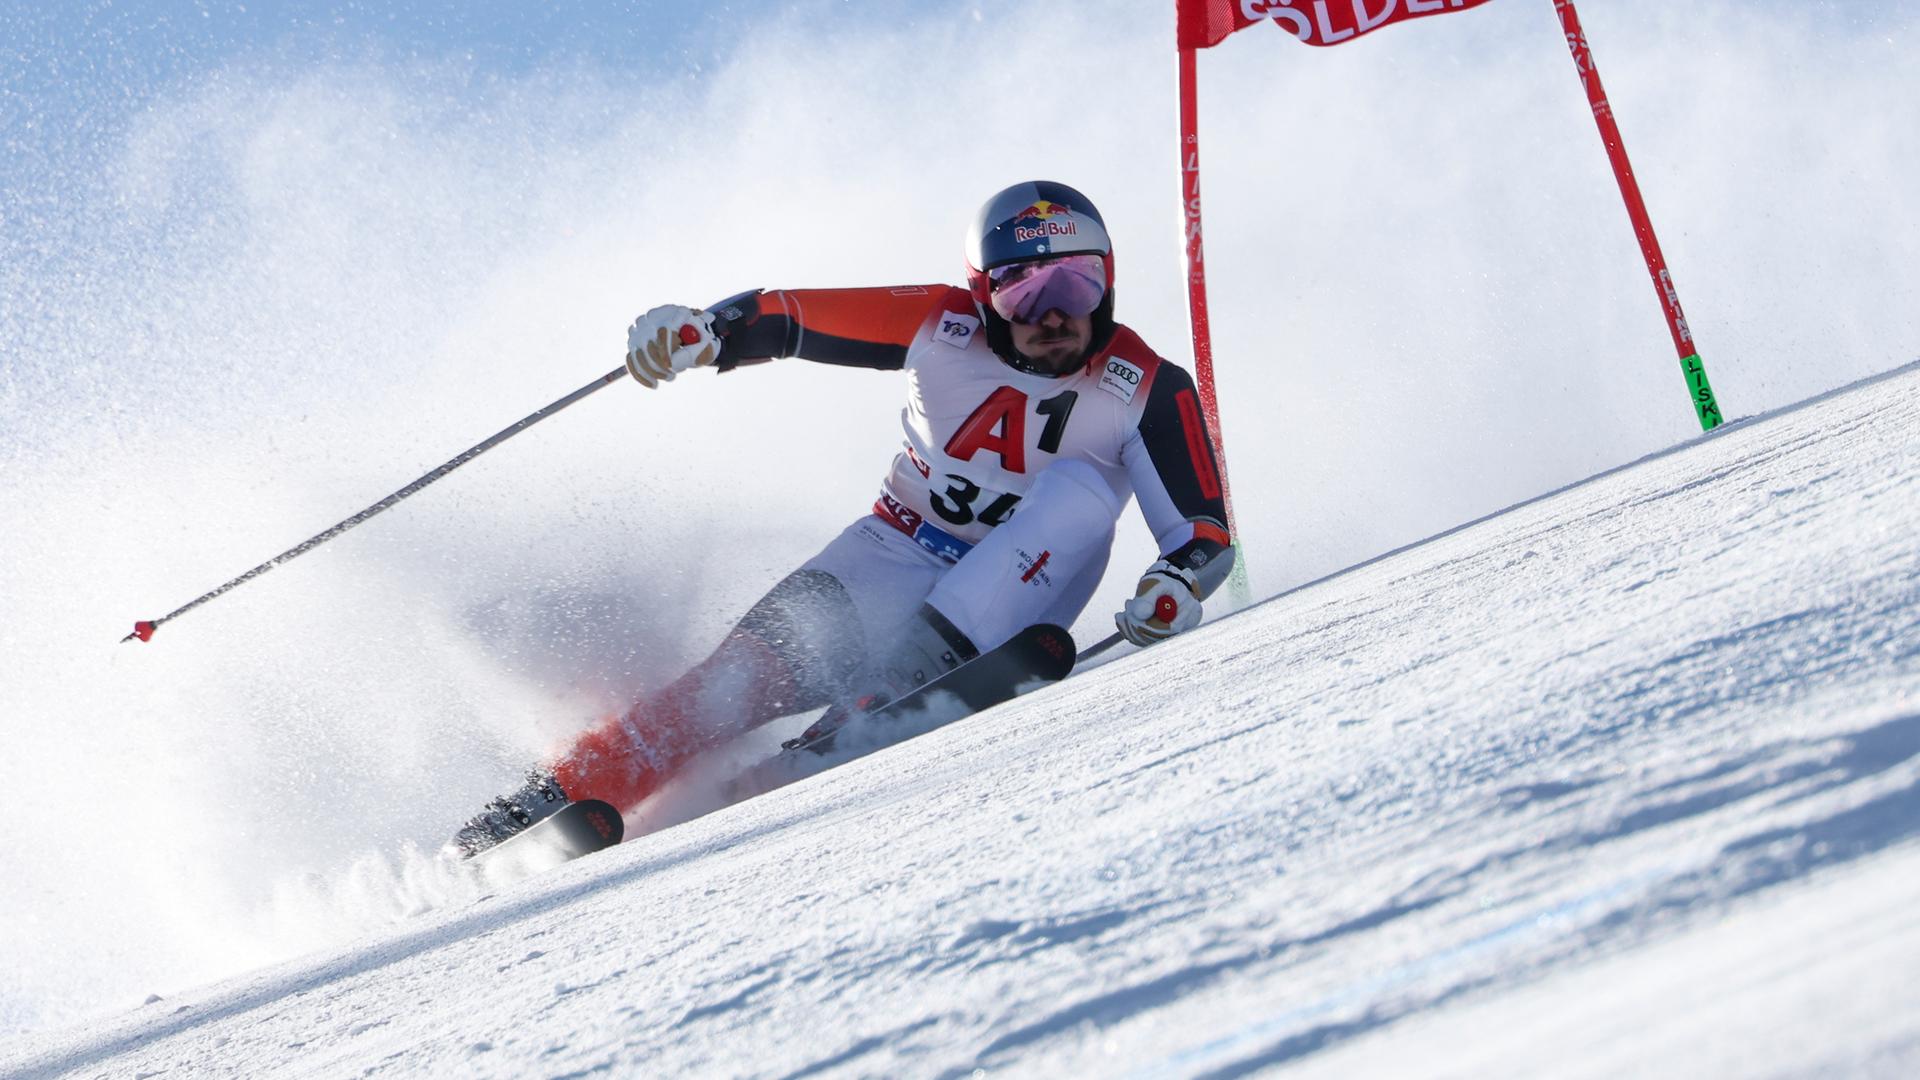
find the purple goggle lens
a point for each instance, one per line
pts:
(1024, 292)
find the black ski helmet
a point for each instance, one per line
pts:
(1038, 219)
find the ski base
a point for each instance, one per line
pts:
(576, 829)
(1039, 654)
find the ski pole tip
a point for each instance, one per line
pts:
(142, 630)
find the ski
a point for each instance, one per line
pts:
(1040, 654)
(576, 829)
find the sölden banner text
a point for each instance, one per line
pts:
(1204, 23)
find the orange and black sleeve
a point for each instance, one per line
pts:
(869, 328)
(1183, 485)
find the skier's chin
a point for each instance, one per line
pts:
(1058, 359)
(1057, 349)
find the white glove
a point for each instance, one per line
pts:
(669, 340)
(1163, 605)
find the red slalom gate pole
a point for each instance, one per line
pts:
(1704, 403)
(1241, 592)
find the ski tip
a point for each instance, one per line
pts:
(579, 828)
(1057, 644)
(143, 630)
(603, 819)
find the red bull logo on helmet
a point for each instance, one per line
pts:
(1042, 214)
(1022, 234)
(1042, 210)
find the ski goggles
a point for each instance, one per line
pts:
(1023, 292)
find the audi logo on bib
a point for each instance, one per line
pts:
(1121, 379)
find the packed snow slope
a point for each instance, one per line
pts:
(1623, 780)
(265, 263)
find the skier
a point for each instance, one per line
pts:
(1031, 417)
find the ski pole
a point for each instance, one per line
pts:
(145, 627)
(1096, 649)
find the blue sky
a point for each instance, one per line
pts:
(139, 39)
(77, 70)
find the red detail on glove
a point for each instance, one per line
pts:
(143, 630)
(1166, 610)
(689, 334)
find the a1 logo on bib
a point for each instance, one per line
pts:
(957, 330)
(1121, 379)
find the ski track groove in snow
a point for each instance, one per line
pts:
(1450, 812)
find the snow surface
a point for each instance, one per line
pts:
(1624, 780)
(259, 267)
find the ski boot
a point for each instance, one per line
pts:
(927, 646)
(510, 815)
